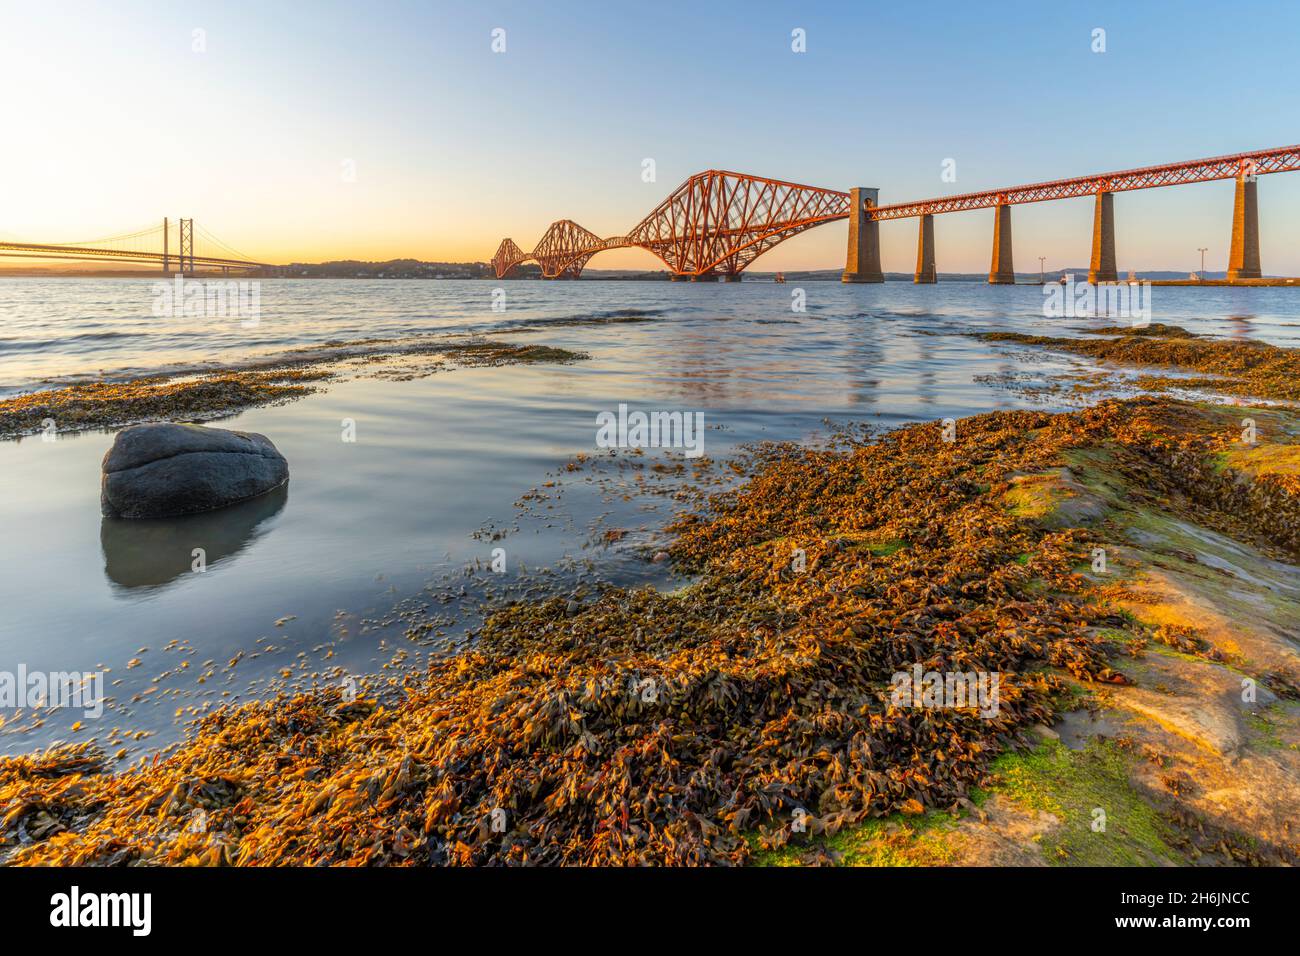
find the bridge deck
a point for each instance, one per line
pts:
(1283, 159)
(722, 220)
(36, 250)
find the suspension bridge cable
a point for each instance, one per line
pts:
(221, 245)
(150, 230)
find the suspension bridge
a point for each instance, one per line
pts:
(717, 223)
(192, 249)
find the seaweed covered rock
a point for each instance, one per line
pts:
(165, 469)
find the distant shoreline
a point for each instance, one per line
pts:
(826, 275)
(1270, 281)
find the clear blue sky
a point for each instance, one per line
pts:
(116, 120)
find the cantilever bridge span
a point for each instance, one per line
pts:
(715, 223)
(718, 222)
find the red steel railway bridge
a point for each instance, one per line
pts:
(152, 245)
(717, 222)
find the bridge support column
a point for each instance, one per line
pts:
(925, 271)
(1002, 271)
(1243, 260)
(863, 261)
(1102, 268)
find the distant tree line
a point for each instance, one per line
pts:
(392, 269)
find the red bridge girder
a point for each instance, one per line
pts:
(565, 249)
(508, 255)
(723, 221)
(716, 221)
(1283, 159)
(720, 222)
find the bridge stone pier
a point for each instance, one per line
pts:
(1102, 267)
(1002, 271)
(863, 261)
(925, 271)
(1243, 259)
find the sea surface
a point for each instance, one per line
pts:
(381, 551)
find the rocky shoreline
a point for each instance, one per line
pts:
(1126, 570)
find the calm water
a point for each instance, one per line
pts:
(398, 528)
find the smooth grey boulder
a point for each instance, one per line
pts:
(162, 470)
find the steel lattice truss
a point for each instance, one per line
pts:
(715, 222)
(1173, 174)
(565, 249)
(720, 222)
(723, 221)
(508, 255)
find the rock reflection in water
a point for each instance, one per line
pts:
(154, 552)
